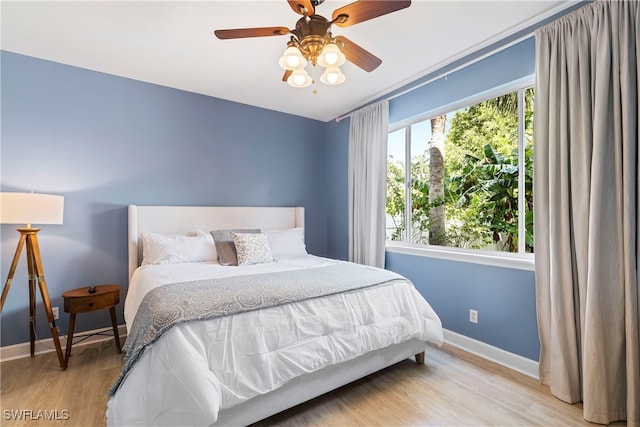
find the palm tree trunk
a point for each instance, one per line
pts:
(436, 182)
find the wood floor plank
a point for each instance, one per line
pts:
(37, 384)
(452, 388)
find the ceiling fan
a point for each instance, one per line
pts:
(312, 41)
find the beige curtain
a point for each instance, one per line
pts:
(587, 209)
(368, 131)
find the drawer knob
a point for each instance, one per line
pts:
(90, 304)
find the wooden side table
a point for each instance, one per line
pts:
(82, 301)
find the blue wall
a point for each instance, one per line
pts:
(503, 297)
(505, 66)
(104, 142)
(337, 148)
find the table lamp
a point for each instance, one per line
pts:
(32, 208)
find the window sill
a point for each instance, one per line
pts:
(498, 259)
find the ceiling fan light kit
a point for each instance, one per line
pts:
(312, 41)
(297, 55)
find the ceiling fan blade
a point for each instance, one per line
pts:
(241, 33)
(357, 55)
(286, 75)
(303, 7)
(364, 10)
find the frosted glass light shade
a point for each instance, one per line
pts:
(299, 78)
(332, 76)
(292, 59)
(31, 208)
(331, 56)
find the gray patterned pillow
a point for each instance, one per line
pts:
(252, 248)
(225, 247)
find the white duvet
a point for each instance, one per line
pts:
(199, 368)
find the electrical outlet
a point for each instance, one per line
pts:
(473, 316)
(56, 313)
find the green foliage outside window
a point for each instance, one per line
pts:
(480, 179)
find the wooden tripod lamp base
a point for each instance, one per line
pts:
(28, 208)
(29, 238)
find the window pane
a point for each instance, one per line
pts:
(529, 95)
(420, 137)
(395, 204)
(482, 170)
(464, 177)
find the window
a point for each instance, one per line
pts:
(464, 179)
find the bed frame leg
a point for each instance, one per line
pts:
(420, 358)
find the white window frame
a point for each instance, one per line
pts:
(520, 260)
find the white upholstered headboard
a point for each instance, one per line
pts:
(179, 220)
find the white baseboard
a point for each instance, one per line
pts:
(18, 351)
(502, 357)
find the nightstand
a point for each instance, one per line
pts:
(82, 301)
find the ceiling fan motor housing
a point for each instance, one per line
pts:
(312, 33)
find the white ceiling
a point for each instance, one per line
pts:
(171, 43)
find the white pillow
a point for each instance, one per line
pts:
(287, 242)
(163, 249)
(209, 249)
(252, 248)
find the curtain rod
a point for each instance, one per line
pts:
(439, 76)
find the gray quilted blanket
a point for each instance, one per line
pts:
(169, 305)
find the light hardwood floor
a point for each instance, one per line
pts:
(452, 388)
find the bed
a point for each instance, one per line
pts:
(295, 332)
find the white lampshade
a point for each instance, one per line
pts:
(331, 56)
(31, 208)
(299, 78)
(332, 76)
(292, 59)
